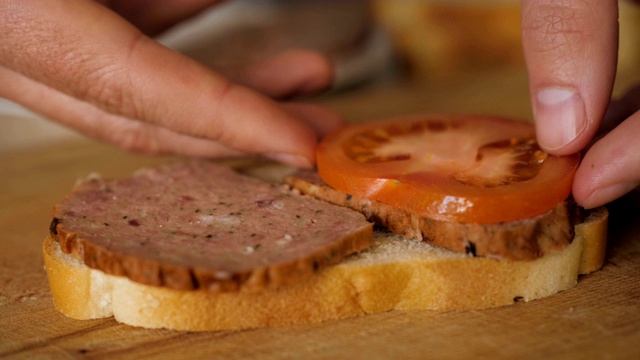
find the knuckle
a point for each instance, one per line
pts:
(107, 82)
(98, 85)
(222, 100)
(137, 139)
(129, 135)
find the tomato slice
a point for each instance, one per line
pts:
(469, 169)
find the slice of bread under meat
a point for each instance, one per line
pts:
(393, 273)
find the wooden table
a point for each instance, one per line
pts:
(600, 318)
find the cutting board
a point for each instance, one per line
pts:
(599, 318)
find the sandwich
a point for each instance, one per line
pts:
(200, 245)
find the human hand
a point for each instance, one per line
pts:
(571, 53)
(92, 69)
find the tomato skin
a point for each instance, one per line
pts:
(416, 185)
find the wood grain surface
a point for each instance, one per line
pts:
(600, 318)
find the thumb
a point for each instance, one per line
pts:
(571, 51)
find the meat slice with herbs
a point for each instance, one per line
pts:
(198, 224)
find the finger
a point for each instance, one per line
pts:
(152, 17)
(571, 52)
(620, 109)
(319, 118)
(137, 136)
(99, 58)
(611, 167)
(291, 73)
(131, 135)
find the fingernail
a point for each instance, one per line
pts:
(291, 159)
(560, 117)
(609, 193)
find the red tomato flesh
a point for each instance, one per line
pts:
(470, 169)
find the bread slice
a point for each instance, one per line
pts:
(395, 273)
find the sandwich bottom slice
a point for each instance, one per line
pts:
(395, 273)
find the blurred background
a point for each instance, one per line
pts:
(373, 44)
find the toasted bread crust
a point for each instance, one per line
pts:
(525, 239)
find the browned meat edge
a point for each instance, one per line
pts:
(525, 239)
(185, 278)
